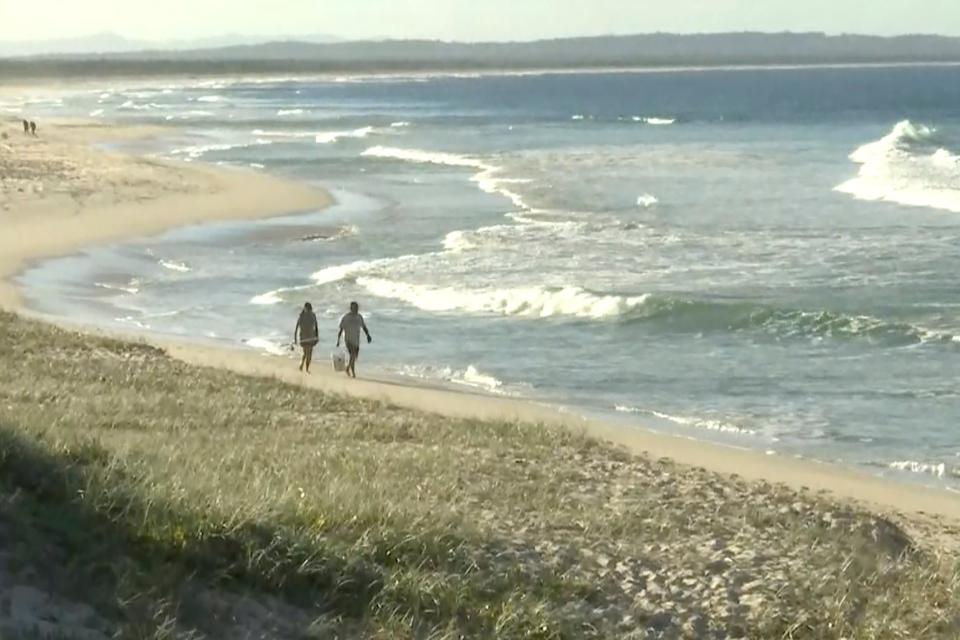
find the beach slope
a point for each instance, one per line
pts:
(58, 193)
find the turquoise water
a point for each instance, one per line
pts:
(764, 258)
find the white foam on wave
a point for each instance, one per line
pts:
(213, 98)
(535, 301)
(268, 298)
(486, 177)
(654, 121)
(470, 377)
(174, 266)
(274, 133)
(197, 151)
(131, 289)
(425, 157)
(265, 344)
(578, 116)
(938, 469)
(341, 271)
(905, 167)
(343, 232)
(276, 296)
(457, 241)
(130, 105)
(399, 125)
(329, 137)
(690, 421)
(646, 200)
(96, 113)
(289, 112)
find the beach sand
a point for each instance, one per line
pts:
(58, 193)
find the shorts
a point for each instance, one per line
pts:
(353, 349)
(309, 342)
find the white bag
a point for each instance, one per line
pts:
(339, 362)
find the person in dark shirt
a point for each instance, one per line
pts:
(307, 334)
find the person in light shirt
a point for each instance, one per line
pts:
(350, 325)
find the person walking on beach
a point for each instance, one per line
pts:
(307, 334)
(26, 126)
(33, 128)
(350, 325)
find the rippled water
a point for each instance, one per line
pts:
(766, 258)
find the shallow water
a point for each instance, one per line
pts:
(765, 258)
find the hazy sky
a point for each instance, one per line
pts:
(466, 19)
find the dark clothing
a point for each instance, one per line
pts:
(309, 331)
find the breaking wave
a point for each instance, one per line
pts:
(275, 296)
(174, 266)
(654, 121)
(646, 200)
(132, 288)
(542, 302)
(265, 344)
(130, 105)
(198, 151)
(470, 377)
(486, 177)
(699, 316)
(329, 137)
(909, 167)
(272, 133)
(937, 469)
(710, 424)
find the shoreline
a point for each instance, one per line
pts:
(163, 195)
(63, 195)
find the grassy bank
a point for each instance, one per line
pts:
(143, 497)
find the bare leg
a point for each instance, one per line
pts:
(352, 365)
(308, 356)
(303, 358)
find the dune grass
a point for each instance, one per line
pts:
(162, 500)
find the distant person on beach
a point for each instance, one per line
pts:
(350, 326)
(33, 127)
(307, 334)
(26, 127)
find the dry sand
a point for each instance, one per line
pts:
(58, 194)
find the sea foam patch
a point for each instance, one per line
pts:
(907, 166)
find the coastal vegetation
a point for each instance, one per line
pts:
(141, 497)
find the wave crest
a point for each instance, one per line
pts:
(906, 166)
(710, 424)
(540, 302)
(700, 316)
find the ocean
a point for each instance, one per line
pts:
(762, 258)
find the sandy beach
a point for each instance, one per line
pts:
(59, 194)
(725, 507)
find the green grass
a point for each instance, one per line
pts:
(179, 501)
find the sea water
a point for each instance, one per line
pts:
(767, 258)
